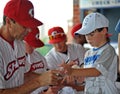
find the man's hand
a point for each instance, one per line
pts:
(49, 78)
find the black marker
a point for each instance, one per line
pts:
(67, 60)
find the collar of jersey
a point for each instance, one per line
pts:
(95, 49)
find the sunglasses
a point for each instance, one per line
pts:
(59, 35)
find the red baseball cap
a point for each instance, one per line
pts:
(75, 28)
(33, 38)
(56, 34)
(22, 11)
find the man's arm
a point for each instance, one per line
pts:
(47, 78)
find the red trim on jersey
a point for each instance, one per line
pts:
(37, 65)
(13, 66)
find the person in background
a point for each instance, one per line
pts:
(63, 52)
(36, 62)
(78, 38)
(18, 20)
(34, 58)
(117, 29)
(100, 62)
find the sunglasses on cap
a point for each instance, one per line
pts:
(59, 35)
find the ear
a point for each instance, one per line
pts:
(105, 30)
(7, 20)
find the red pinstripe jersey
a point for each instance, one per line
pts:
(12, 63)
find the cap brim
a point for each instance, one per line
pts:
(56, 40)
(31, 23)
(37, 44)
(83, 31)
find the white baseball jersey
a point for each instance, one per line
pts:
(75, 52)
(37, 63)
(12, 63)
(105, 60)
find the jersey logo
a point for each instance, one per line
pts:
(89, 61)
(37, 65)
(14, 66)
(31, 12)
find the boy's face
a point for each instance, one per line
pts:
(96, 38)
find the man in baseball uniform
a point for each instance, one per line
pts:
(36, 62)
(79, 39)
(63, 52)
(18, 20)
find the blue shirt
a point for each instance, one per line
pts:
(117, 28)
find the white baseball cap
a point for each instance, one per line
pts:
(91, 22)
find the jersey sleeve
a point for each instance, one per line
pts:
(80, 52)
(27, 64)
(107, 63)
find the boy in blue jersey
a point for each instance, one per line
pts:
(100, 62)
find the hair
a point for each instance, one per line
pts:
(4, 20)
(100, 29)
